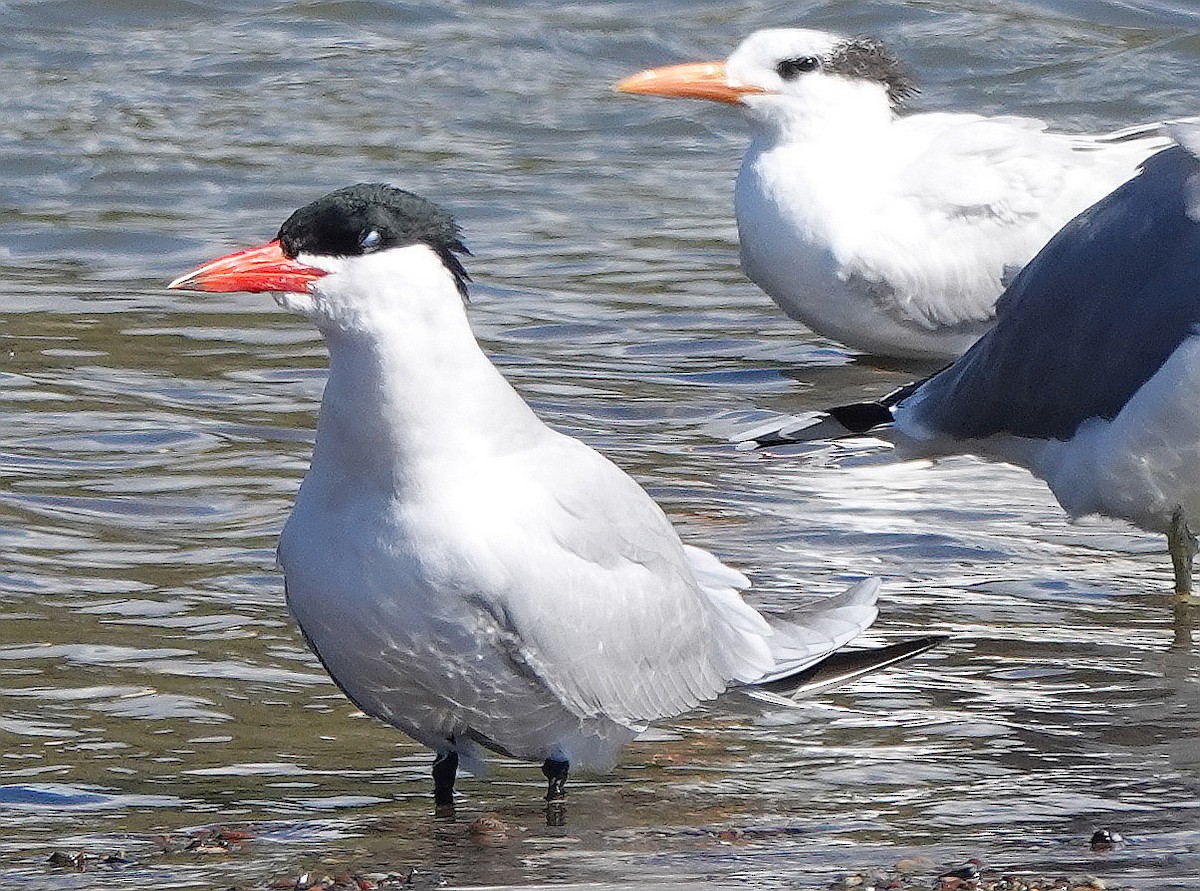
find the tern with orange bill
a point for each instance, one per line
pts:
(892, 234)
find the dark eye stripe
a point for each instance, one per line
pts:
(789, 69)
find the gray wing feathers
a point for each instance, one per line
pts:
(635, 625)
(1087, 322)
(809, 634)
(632, 626)
(985, 195)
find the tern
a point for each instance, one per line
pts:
(1090, 377)
(892, 234)
(466, 573)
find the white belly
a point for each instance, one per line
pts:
(784, 252)
(808, 289)
(1139, 466)
(421, 657)
(1146, 461)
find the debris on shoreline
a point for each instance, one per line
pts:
(920, 874)
(413, 879)
(913, 873)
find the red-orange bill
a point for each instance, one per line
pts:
(264, 268)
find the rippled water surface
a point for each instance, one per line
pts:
(152, 686)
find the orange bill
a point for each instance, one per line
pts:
(695, 80)
(264, 268)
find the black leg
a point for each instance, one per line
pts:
(445, 767)
(555, 772)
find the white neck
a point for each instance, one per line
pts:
(408, 384)
(836, 110)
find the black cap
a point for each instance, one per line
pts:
(370, 217)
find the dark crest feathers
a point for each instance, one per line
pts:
(335, 225)
(867, 58)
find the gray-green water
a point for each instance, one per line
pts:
(151, 683)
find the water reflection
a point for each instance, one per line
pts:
(150, 445)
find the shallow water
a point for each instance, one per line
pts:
(151, 682)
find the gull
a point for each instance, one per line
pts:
(466, 573)
(1090, 377)
(893, 234)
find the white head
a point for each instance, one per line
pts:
(792, 80)
(361, 258)
(377, 269)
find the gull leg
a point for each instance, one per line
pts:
(1183, 625)
(555, 772)
(1182, 546)
(445, 768)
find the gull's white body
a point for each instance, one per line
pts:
(1142, 464)
(1139, 466)
(896, 234)
(1091, 377)
(473, 577)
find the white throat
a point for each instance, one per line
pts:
(408, 384)
(833, 109)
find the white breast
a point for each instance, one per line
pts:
(405, 637)
(797, 235)
(1142, 464)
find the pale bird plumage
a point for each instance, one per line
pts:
(465, 572)
(894, 233)
(1090, 375)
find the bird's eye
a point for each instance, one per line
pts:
(370, 240)
(790, 69)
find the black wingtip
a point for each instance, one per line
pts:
(767, 440)
(855, 419)
(862, 417)
(837, 423)
(848, 665)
